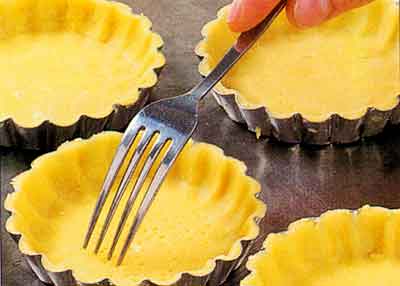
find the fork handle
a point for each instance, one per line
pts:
(245, 41)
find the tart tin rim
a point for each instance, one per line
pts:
(264, 250)
(296, 128)
(221, 265)
(14, 134)
(31, 138)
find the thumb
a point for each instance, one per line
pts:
(307, 13)
(246, 14)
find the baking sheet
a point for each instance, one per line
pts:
(297, 181)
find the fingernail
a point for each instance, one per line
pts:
(309, 13)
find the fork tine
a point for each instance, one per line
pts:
(154, 153)
(138, 153)
(150, 194)
(109, 180)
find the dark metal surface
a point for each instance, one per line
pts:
(297, 181)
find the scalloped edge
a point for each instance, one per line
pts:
(48, 135)
(221, 266)
(295, 129)
(250, 265)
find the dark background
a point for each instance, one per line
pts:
(297, 181)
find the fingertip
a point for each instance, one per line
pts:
(234, 20)
(246, 14)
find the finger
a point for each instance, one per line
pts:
(308, 13)
(246, 14)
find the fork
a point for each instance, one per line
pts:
(169, 123)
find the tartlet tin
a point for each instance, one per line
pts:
(315, 221)
(297, 129)
(216, 277)
(47, 135)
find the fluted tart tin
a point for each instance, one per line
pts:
(341, 247)
(230, 208)
(265, 90)
(73, 68)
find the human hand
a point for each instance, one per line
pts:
(246, 14)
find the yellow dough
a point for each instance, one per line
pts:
(339, 249)
(65, 58)
(361, 274)
(344, 66)
(202, 211)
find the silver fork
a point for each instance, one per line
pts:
(169, 120)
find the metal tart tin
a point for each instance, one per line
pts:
(264, 250)
(216, 277)
(48, 136)
(296, 129)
